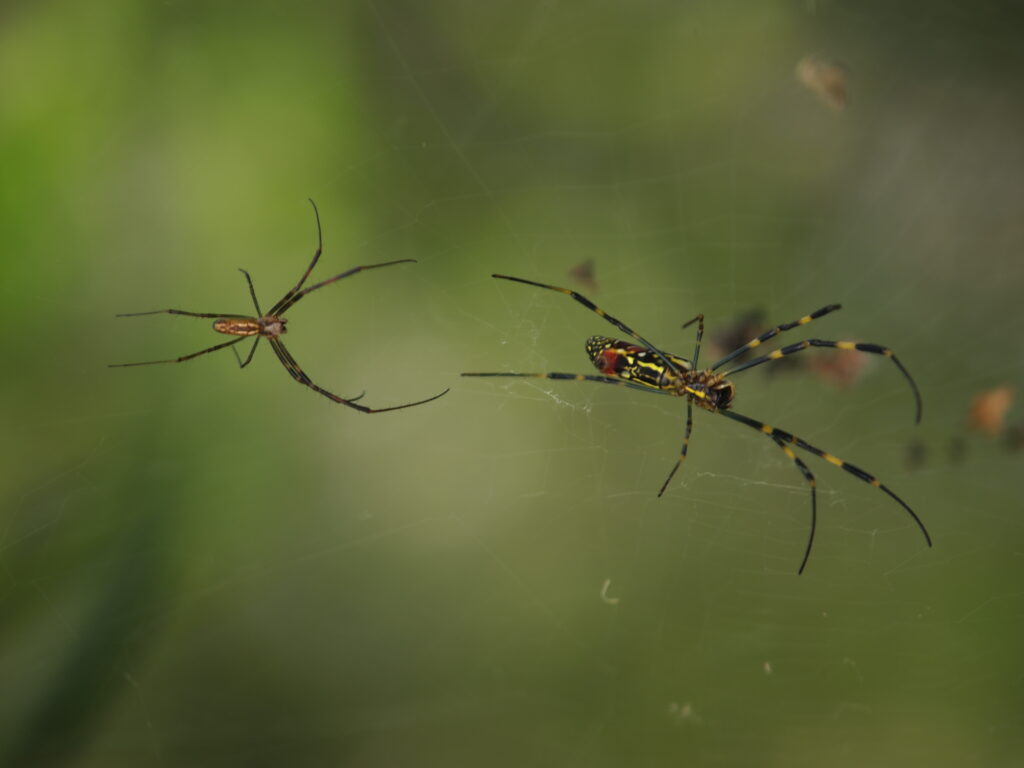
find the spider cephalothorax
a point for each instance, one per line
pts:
(710, 390)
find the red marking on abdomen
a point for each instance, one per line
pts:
(613, 362)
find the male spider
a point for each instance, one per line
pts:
(647, 368)
(272, 325)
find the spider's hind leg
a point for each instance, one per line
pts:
(809, 477)
(783, 437)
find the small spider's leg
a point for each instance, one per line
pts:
(874, 349)
(775, 332)
(699, 319)
(182, 312)
(252, 292)
(300, 376)
(597, 310)
(857, 472)
(573, 377)
(316, 258)
(248, 358)
(682, 453)
(186, 357)
(293, 296)
(809, 477)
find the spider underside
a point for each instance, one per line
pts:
(638, 364)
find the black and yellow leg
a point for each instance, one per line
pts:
(699, 319)
(786, 437)
(809, 477)
(182, 359)
(597, 310)
(775, 332)
(300, 376)
(682, 453)
(571, 377)
(847, 346)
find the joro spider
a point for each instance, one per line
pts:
(271, 326)
(649, 369)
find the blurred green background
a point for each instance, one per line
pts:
(207, 566)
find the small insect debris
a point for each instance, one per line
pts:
(604, 593)
(987, 410)
(826, 79)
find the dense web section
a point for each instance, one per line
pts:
(499, 562)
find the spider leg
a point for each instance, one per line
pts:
(775, 332)
(857, 472)
(297, 293)
(699, 319)
(874, 349)
(300, 376)
(292, 297)
(597, 310)
(316, 257)
(686, 444)
(809, 476)
(573, 377)
(248, 359)
(252, 292)
(182, 312)
(186, 357)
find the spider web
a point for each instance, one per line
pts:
(191, 576)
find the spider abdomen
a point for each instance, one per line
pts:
(634, 363)
(238, 326)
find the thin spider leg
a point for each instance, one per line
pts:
(300, 376)
(248, 359)
(682, 453)
(182, 359)
(182, 312)
(316, 257)
(699, 319)
(874, 349)
(775, 332)
(252, 292)
(809, 477)
(857, 472)
(293, 297)
(597, 310)
(573, 377)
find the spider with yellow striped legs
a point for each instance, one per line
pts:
(645, 367)
(271, 327)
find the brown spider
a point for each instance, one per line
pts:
(271, 326)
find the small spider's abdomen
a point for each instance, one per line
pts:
(237, 326)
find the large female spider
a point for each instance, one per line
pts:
(647, 368)
(271, 326)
